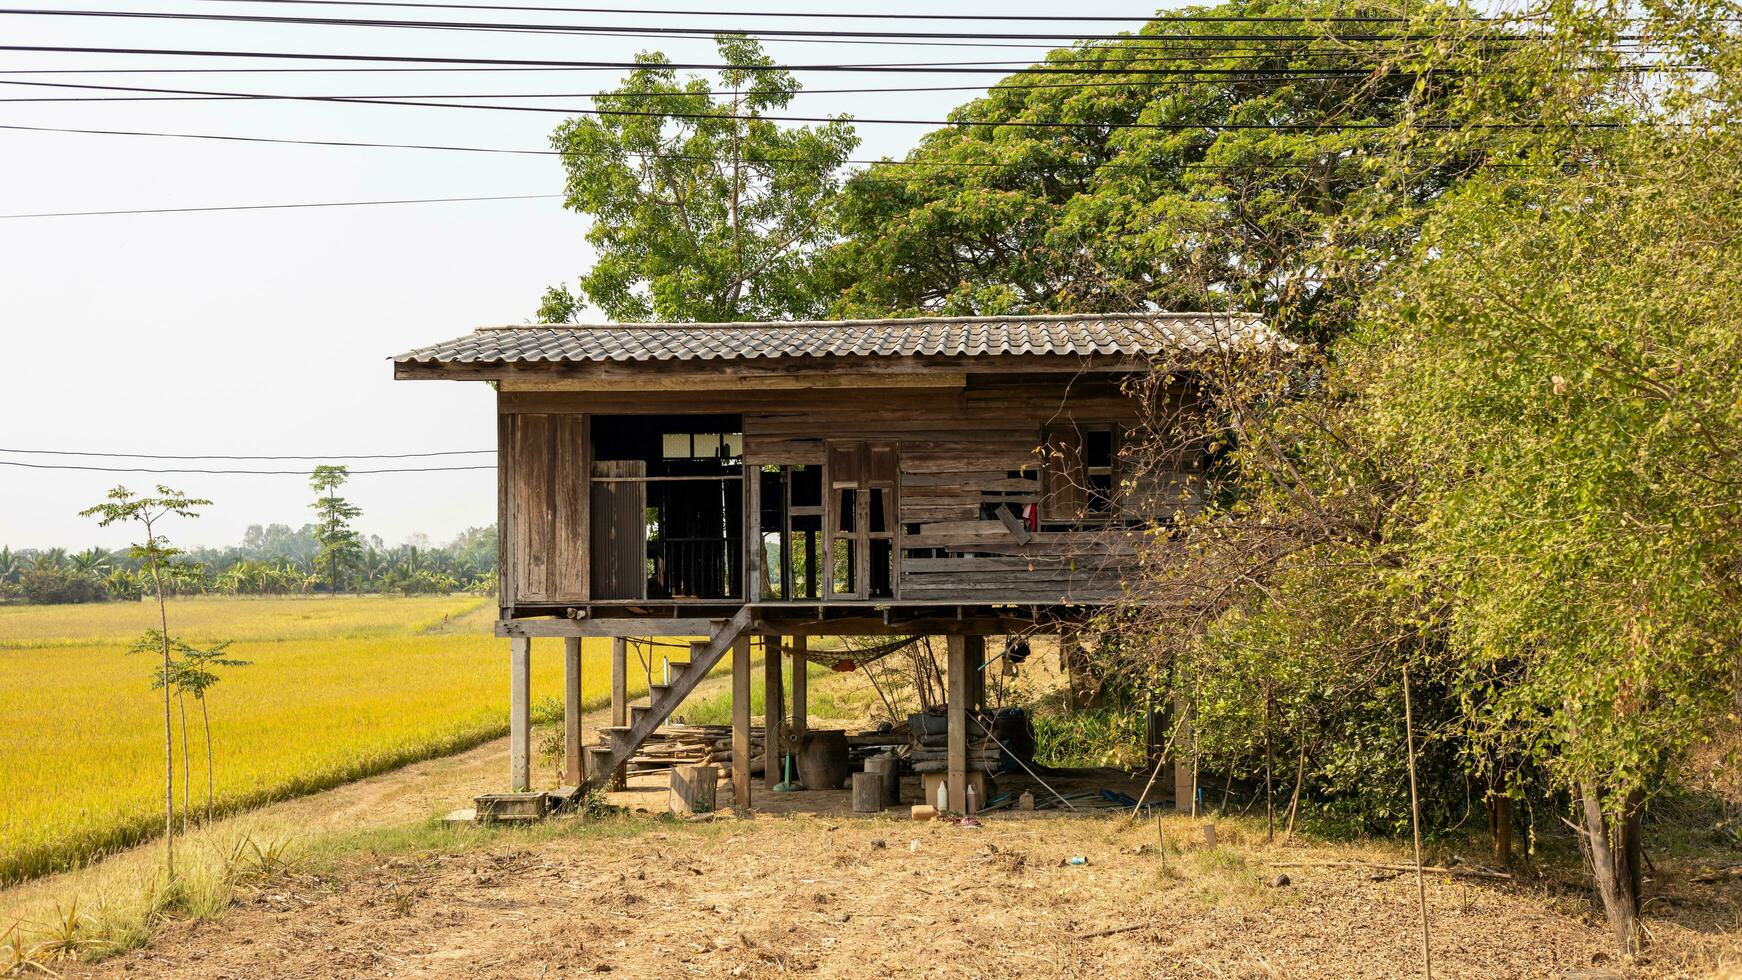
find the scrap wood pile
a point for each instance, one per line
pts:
(930, 734)
(685, 745)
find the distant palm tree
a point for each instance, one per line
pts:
(10, 566)
(94, 561)
(53, 559)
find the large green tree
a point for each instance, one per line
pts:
(1201, 164)
(700, 208)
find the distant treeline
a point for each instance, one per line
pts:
(273, 559)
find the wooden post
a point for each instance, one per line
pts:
(800, 685)
(958, 722)
(976, 665)
(692, 789)
(1184, 758)
(520, 714)
(868, 792)
(619, 680)
(741, 724)
(572, 767)
(620, 699)
(774, 711)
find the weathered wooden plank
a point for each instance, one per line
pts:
(531, 488)
(919, 513)
(567, 578)
(507, 542)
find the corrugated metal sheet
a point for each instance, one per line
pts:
(1131, 334)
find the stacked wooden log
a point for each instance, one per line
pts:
(687, 745)
(721, 752)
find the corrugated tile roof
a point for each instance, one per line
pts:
(1130, 334)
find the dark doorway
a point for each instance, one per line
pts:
(669, 488)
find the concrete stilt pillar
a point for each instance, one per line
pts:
(620, 699)
(520, 714)
(573, 773)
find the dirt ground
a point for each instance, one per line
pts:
(833, 896)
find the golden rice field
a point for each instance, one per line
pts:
(338, 688)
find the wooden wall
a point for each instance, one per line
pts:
(961, 449)
(542, 507)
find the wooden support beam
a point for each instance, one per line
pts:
(774, 710)
(976, 653)
(572, 765)
(800, 684)
(520, 714)
(741, 725)
(619, 680)
(1184, 761)
(957, 755)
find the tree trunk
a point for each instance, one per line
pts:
(206, 723)
(187, 768)
(168, 726)
(1614, 848)
(1500, 823)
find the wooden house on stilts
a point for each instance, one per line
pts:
(956, 476)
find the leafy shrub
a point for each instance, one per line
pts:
(60, 585)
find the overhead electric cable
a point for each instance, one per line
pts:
(1050, 67)
(270, 207)
(109, 455)
(1061, 38)
(879, 15)
(144, 469)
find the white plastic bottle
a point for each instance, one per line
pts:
(943, 795)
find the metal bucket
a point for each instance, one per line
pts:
(822, 759)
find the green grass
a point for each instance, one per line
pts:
(354, 687)
(824, 700)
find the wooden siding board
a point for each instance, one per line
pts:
(506, 543)
(532, 505)
(567, 580)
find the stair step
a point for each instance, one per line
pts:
(657, 691)
(677, 667)
(614, 735)
(638, 712)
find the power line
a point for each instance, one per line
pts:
(73, 452)
(143, 469)
(1060, 38)
(1196, 18)
(265, 207)
(1050, 67)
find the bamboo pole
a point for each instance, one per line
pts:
(1427, 962)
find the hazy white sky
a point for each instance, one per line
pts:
(267, 332)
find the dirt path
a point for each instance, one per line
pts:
(843, 897)
(402, 796)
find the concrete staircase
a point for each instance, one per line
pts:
(620, 742)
